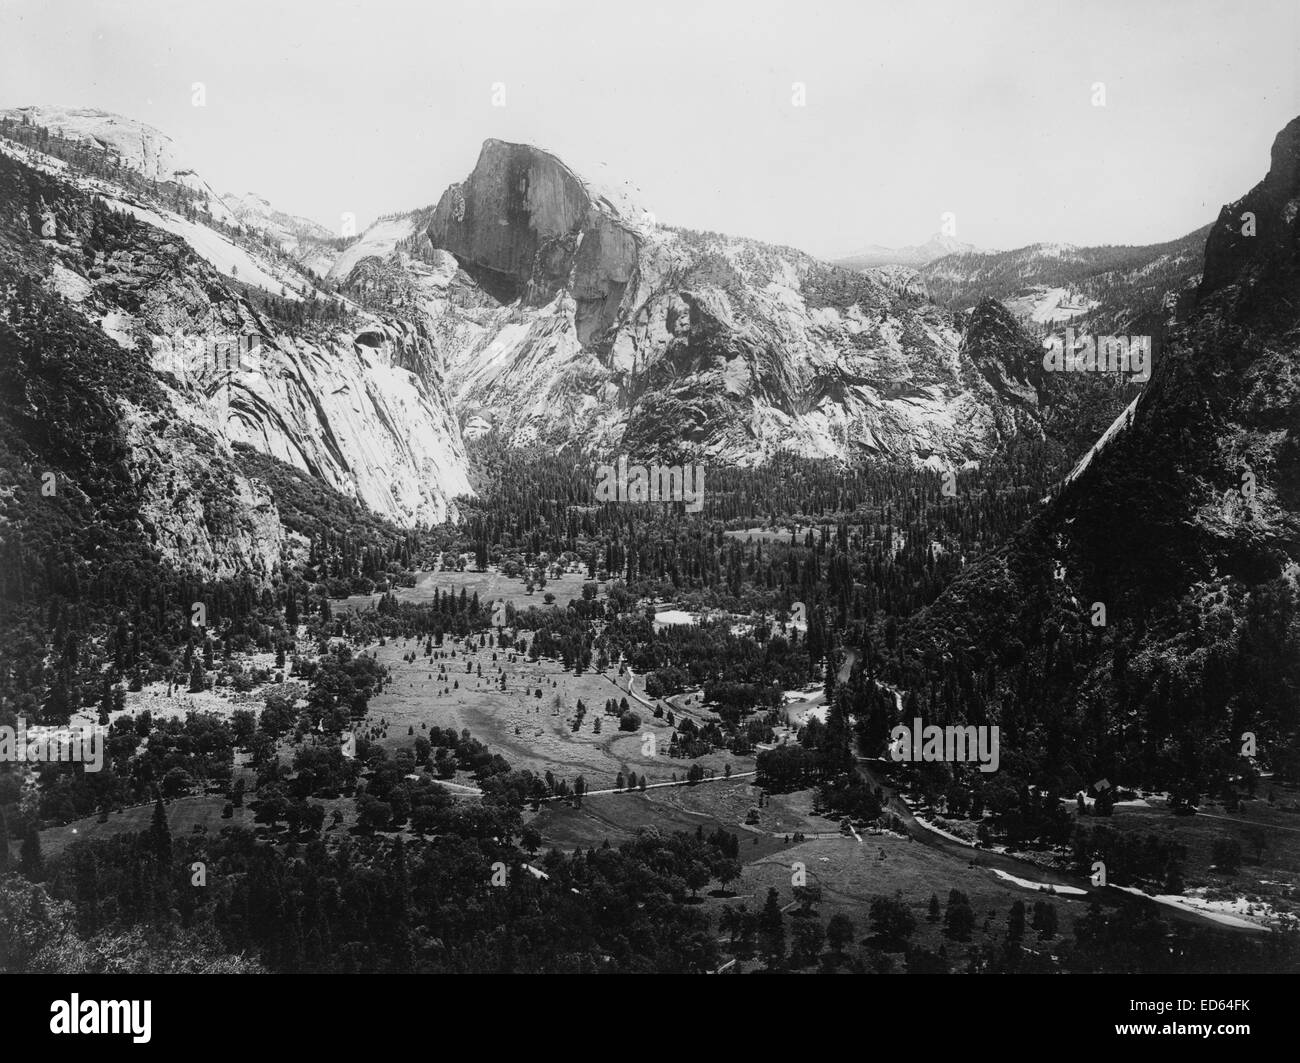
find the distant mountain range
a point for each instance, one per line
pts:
(916, 255)
(1109, 289)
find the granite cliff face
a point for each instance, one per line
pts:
(617, 333)
(245, 345)
(134, 145)
(526, 226)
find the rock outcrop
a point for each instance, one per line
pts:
(525, 226)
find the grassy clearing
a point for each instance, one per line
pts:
(730, 804)
(766, 535)
(617, 817)
(851, 874)
(183, 815)
(489, 586)
(527, 730)
(724, 804)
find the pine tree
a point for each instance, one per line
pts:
(959, 920)
(33, 864)
(1016, 922)
(160, 835)
(772, 931)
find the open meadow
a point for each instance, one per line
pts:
(530, 731)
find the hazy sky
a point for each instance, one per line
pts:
(912, 108)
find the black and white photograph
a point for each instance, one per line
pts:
(704, 488)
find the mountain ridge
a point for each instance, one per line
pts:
(554, 311)
(916, 255)
(348, 395)
(1184, 526)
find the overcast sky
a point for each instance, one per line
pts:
(912, 109)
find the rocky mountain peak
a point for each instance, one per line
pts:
(1216, 426)
(990, 316)
(1258, 231)
(524, 225)
(937, 246)
(1004, 355)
